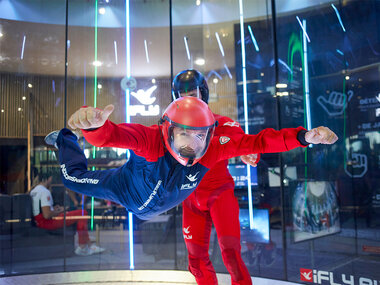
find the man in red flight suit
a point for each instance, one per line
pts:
(213, 201)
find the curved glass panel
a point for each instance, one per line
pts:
(308, 215)
(330, 78)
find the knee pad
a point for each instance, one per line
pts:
(197, 251)
(232, 264)
(203, 271)
(230, 247)
(194, 267)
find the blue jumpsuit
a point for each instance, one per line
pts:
(152, 181)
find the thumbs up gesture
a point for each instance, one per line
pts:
(90, 117)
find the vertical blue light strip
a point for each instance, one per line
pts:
(23, 47)
(340, 52)
(115, 47)
(306, 79)
(304, 31)
(219, 43)
(187, 48)
(244, 72)
(338, 16)
(253, 39)
(128, 120)
(228, 71)
(146, 51)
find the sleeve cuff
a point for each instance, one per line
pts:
(92, 129)
(301, 137)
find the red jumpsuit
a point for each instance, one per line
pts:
(213, 201)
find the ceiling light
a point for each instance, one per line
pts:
(253, 39)
(228, 71)
(303, 28)
(219, 43)
(102, 11)
(200, 61)
(281, 85)
(19, 109)
(115, 46)
(30, 85)
(23, 98)
(97, 63)
(22, 48)
(146, 51)
(187, 48)
(282, 93)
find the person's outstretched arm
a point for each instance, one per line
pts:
(100, 131)
(272, 141)
(227, 125)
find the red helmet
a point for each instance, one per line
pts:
(187, 127)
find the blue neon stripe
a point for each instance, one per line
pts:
(253, 39)
(338, 16)
(306, 78)
(244, 72)
(128, 120)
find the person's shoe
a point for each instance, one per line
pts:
(51, 139)
(93, 249)
(83, 251)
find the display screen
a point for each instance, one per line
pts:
(260, 231)
(239, 174)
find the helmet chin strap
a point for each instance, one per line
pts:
(190, 163)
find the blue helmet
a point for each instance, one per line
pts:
(189, 80)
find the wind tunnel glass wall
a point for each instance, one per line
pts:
(316, 208)
(328, 75)
(115, 55)
(216, 47)
(32, 93)
(118, 56)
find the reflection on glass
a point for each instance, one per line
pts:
(338, 70)
(315, 210)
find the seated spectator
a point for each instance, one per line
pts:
(50, 218)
